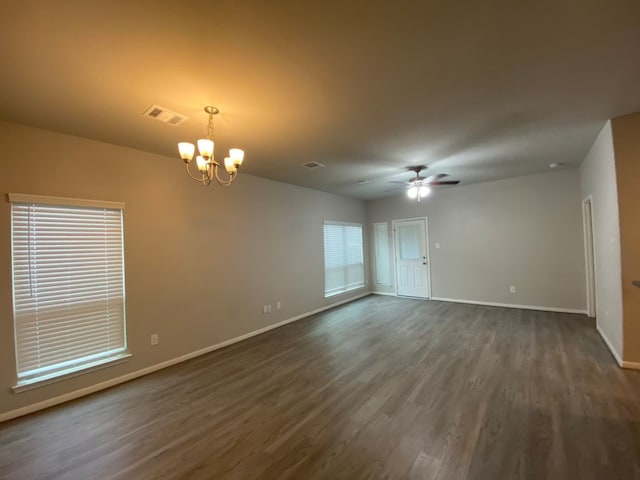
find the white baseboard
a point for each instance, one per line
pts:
(159, 366)
(512, 305)
(613, 351)
(616, 355)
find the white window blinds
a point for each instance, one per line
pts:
(383, 262)
(343, 258)
(68, 285)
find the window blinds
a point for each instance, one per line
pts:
(68, 286)
(343, 258)
(383, 262)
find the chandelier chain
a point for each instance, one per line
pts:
(210, 127)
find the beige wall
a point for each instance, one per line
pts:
(524, 231)
(200, 262)
(626, 142)
(598, 180)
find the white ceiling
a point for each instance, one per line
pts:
(478, 90)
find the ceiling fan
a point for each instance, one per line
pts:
(420, 187)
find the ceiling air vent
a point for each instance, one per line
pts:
(164, 115)
(313, 165)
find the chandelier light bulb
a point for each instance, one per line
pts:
(424, 191)
(229, 165)
(186, 150)
(236, 156)
(205, 147)
(202, 163)
(412, 192)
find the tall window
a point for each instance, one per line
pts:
(343, 257)
(381, 245)
(68, 285)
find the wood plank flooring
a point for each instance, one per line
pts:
(379, 388)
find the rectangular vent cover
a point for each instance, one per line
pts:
(164, 115)
(313, 165)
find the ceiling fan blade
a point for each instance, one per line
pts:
(439, 176)
(401, 183)
(446, 182)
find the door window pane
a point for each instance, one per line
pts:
(409, 242)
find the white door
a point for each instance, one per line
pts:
(412, 269)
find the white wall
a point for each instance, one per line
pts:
(598, 179)
(200, 262)
(524, 231)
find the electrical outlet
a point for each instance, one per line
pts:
(512, 289)
(155, 339)
(269, 308)
(265, 309)
(278, 305)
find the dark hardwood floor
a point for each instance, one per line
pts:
(379, 388)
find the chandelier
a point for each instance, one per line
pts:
(207, 166)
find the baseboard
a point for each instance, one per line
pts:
(390, 294)
(512, 305)
(159, 366)
(630, 365)
(610, 346)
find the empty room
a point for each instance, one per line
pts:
(332, 240)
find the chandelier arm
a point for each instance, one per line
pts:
(224, 183)
(191, 175)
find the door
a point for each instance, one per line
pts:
(412, 269)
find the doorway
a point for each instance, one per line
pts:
(412, 258)
(589, 249)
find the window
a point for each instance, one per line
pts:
(343, 258)
(68, 285)
(381, 244)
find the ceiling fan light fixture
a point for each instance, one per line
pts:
(420, 187)
(423, 191)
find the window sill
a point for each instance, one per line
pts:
(69, 373)
(342, 292)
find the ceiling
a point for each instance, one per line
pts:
(478, 90)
